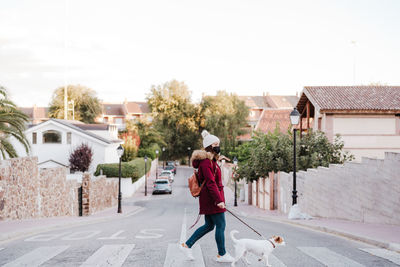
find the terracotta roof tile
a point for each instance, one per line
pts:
(138, 107)
(254, 101)
(113, 109)
(282, 101)
(271, 118)
(378, 98)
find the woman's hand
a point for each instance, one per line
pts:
(221, 205)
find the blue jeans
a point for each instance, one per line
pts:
(212, 220)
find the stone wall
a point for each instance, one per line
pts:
(98, 193)
(27, 192)
(367, 192)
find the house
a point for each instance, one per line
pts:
(119, 114)
(52, 142)
(266, 111)
(36, 114)
(367, 117)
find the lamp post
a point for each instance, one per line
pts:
(294, 120)
(189, 156)
(163, 150)
(157, 165)
(235, 162)
(145, 175)
(120, 152)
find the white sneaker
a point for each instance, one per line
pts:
(226, 258)
(187, 251)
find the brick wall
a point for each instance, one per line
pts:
(368, 191)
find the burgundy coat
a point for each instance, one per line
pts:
(213, 190)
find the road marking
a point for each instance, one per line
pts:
(175, 258)
(109, 255)
(37, 256)
(183, 229)
(44, 237)
(384, 253)
(114, 236)
(274, 261)
(329, 257)
(149, 233)
(80, 235)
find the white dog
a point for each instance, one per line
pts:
(260, 248)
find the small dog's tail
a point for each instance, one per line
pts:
(233, 232)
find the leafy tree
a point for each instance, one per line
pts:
(81, 158)
(274, 152)
(225, 116)
(12, 123)
(175, 117)
(130, 148)
(86, 105)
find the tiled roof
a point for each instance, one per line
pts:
(282, 101)
(254, 101)
(36, 112)
(114, 109)
(271, 118)
(138, 107)
(356, 98)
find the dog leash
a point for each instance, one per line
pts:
(246, 224)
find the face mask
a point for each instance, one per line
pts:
(216, 149)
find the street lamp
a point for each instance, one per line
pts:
(145, 175)
(120, 152)
(235, 162)
(189, 156)
(294, 120)
(163, 150)
(157, 165)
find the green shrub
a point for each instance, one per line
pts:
(133, 169)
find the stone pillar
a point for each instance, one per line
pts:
(85, 194)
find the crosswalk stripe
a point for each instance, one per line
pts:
(329, 257)
(274, 261)
(384, 253)
(109, 255)
(37, 256)
(175, 258)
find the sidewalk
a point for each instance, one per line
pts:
(381, 235)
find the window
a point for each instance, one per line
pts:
(69, 138)
(51, 137)
(34, 138)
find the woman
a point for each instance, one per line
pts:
(211, 199)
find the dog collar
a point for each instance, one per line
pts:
(273, 245)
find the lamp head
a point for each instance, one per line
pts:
(120, 151)
(145, 158)
(294, 117)
(235, 160)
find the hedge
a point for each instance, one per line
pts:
(133, 169)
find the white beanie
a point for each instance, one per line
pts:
(208, 139)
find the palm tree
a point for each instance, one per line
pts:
(12, 123)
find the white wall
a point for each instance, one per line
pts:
(366, 191)
(102, 153)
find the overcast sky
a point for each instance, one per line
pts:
(121, 47)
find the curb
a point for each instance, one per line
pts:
(379, 243)
(5, 238)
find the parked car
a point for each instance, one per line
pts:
(162, 186)
(167, 174)
(170, 168)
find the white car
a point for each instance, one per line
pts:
(168, 174)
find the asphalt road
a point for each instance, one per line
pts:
(149, 238)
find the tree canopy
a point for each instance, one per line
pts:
(274, 152)
(225, 116)
(86, 105)
(12, 123)
(175, 117)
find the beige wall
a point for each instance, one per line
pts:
(364, 135)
